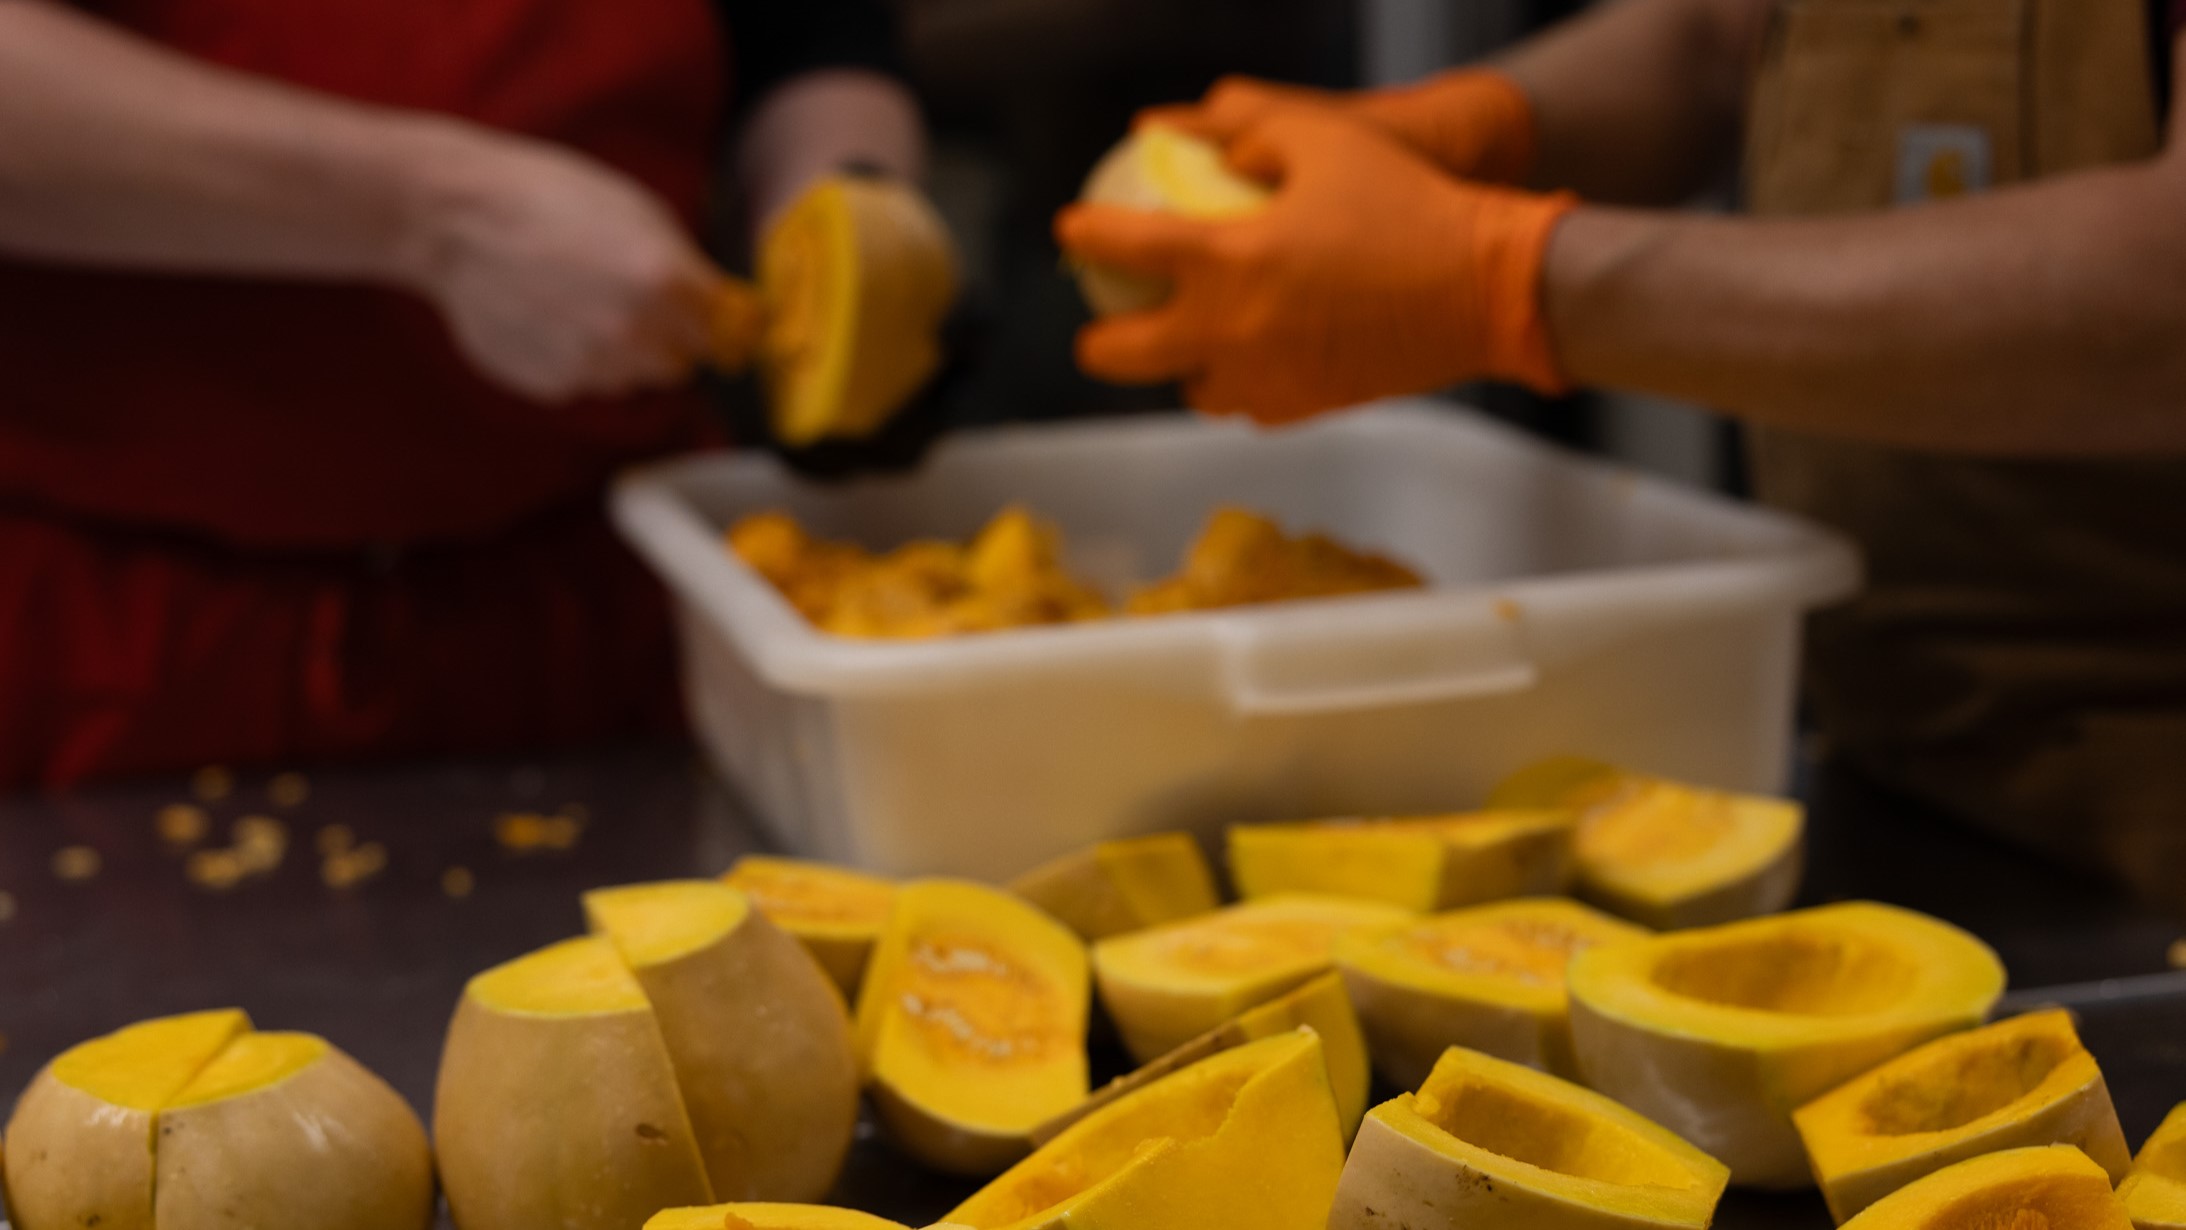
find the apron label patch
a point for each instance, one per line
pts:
(1941, 162)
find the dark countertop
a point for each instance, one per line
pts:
(377, 968)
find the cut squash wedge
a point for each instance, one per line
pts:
(1118, 887)
(1720, 1033)
(1489, 978)
(836, 913)
(1669, 855)
(972, 1024)
(1167, 985)
(2022, 1082)
(1246, 1138)
(1491, 1145)
(1420, 864)
(1160, 170)
(2046, 1187)
(768, 1217)
(2155, 1190)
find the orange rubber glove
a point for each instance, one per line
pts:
(1370, 274)
(1474, 123)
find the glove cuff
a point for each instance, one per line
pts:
(1515, 258)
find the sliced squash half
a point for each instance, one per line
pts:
(1118, 887)
(2155, 1191)
(1246, 1138)
(972, 1024)
(1419, 863)
(2046, 1187)
(1720, 1033)
(768, 1217)
(1489, 978)
(1670, 855)
(2025, 1081)
(836, 913)
(1167, 985)
(1161, 170)
(1487, 1144)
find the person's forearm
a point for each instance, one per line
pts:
(822, 122)
(2043, 320)
(1638, 102)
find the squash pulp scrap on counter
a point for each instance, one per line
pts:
(1167, 985)
(836, 913)
(1421, 863)
(971, 1024)
(1161, 170)
(2155, 1190)
(1121, 886)
(2025, 1081)
(1665, 854)
(1720, 1033)
(1489, 978)
(1248, 1137)
(2048, 1187)
(1490, 1145)
(197, 1121)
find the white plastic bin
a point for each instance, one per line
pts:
(1575, 608)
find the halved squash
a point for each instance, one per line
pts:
(756, 1033)
(1487, 1144)
(1165, 171)
(768, 1217)
(1122, 886)
(1490, 978)
(1321, 1005)
(1418, 863)
(834, 912)
(2047, 1187)
(1246, 1138)
(2025, 1081)
(1669, 855)
(1167, 985)
(1720, 1033)
(972, 1024)
(2155, 1191)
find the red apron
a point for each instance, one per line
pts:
(250, 521)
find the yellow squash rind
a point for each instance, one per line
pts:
(2045, 1187)
(1417, 863)
(1118, 887)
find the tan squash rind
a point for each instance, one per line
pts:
(1420, 863)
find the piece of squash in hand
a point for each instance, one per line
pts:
(2155, 1191)
(82, 1135)
(1321, 1005)
(2045, 1187)
(1167, 985)
(768, 1217)
(834, 912)
(1669, 855)
(2025, 1081)
(1248, 1137)
(1160, 170)
(1720, 1033)
(1489, 978)
(756, 1033)
(1487, 1144)
(972, 1024)
(1118, 887)
(1419, 863)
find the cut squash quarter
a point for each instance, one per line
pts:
(1489, 1145)
(768, 1217)
(1418, 863)
(2025, 1081)
(2155, 1191)
(2048, 1187)
(1118, 887)
(837, 914)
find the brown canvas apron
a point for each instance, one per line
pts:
(2020, 656)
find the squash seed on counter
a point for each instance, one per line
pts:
(182, 824)
(336, 839)
(7, 907)
(457, 882)
(522, 832)
(261, 842)
(212, 783)
(2177, 954)
(354, 867)
(76, 864)
(215, 871)
(288, 790)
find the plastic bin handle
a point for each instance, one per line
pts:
(1292, 667)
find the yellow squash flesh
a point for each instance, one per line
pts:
(1160, 170)
(755, 1031)
(2155, 1191)
(1248, 1137)
(1489, 978)
(1422, 864)
(971, 1025)
(1118, 887)
(1167, 985)
(1491, 1145)
(1669, 855)
(1720, 1033)
(2025, 1081)
(834, 912)
(768, 1217)
(2047, 1187)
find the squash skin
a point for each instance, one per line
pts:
(841, 944)
(1397, 1177)
(2069, 1105)
(2053, 1186)
(1118, 887)
(1728, 1078)
(248, 1161)
(1419, 864)
(1127, 177)
(1271, 1160)
(1412, 1012)
(2155, 1191)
